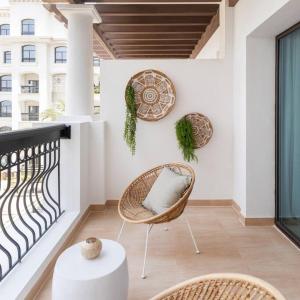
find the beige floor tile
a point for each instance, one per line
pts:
(225, 245)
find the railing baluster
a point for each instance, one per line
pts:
(9, 191)
(47, 173)
(42, 171)
(31, 193)
(58, 176)
(55, 165)
(21, 190)
(11, 200)
(29, 190)
(28, 186)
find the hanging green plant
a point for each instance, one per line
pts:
(185, 138)
(131, 119)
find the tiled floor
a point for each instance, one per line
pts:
(225, 245)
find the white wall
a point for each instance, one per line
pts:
(212, 48)
(260, 124)
(201, 86)
(45, 23)
(216, 45)
(256, 23)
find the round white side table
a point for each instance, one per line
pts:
(105, 277)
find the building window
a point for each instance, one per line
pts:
(7, 57)
(28, 27)
(32, 113)
(5, 83)
(5, 109)
(96, 61)
(4, 29)
(28, 53)
(61, 55)
(31, 87)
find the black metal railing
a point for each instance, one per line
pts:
(5, 89)
(5, 114)
(60, 60)
(29, 190)
(30, 116)
(29, 89)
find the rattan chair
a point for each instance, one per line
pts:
(221, 286)
(131, 209)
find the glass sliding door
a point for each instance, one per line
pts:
(288, 133)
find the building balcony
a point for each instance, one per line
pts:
(27, 89)
(5, 89)
(29, 116)
(60, 186)
(5, 114)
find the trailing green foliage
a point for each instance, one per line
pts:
(185, 138)
(97, 89)
(51, 114)
(131, 119)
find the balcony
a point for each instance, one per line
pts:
(30, 116)
(5, 114)
(5, 89)
(58, 192)
(29, 89)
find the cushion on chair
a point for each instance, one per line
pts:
(166, 190)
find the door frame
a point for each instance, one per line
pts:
(284, 229)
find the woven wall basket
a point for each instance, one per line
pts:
(154, 94)
(202, 128)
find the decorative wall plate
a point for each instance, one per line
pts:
(154, 94)
(202, 128)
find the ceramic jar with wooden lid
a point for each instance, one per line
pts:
(91, 248)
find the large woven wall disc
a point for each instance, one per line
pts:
(154, 94)
(202, 128)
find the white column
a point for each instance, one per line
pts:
(15, 94)
(45, 99)
(79, 98)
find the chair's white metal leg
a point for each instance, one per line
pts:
(149, 227)
(121, 230)
(192, 235)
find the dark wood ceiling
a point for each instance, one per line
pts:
(148, 29)
(154, 30)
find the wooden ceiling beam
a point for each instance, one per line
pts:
(149, 57)
(56, 1)
(139, 51)
(154, 19)
(152, 36)
(154, 42)
(103, 42)
(140, 28)
(153, 56)
(233, 3)
(156, 10)
(160, 14)
(210, 30)
(135, 2)
(153, 47)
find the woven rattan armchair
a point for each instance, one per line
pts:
(221, 286)
(131, 209)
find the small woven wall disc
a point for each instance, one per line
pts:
(202, 128)
(154, 94)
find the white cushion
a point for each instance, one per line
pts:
(166, 190)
